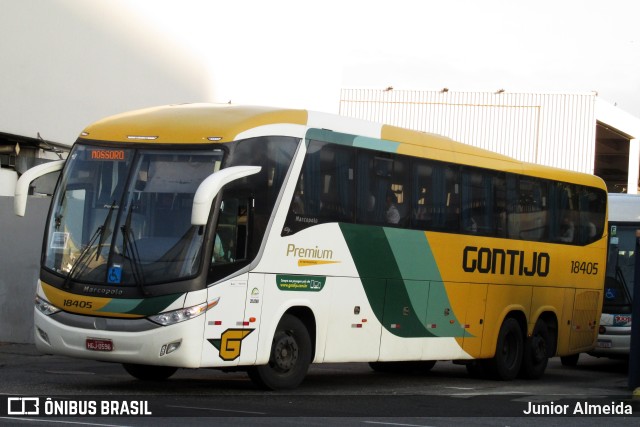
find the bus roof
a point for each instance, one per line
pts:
(188, 123)
(203, 123)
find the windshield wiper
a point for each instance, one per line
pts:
(84, 254)
(129, 246)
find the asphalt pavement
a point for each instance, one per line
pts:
(332, 394)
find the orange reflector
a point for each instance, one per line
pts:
(213, 303)
(252, 319)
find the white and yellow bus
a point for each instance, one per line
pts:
(265, 239)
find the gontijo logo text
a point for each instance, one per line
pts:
(310, 256)
(501, 261)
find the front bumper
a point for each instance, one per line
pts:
(138, 341)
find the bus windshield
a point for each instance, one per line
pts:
(123, 215)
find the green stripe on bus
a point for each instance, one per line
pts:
(378, 270)
(401, 281)
(412, 254)
(352, 140)
(330, 136)
(376, 144)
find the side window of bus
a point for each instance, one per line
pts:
(325, 190)
(398, 197)
(335, 184)
(483, 202)
(231, 235)
(383, 189)
(592, 213)
(274, 155)
(564, 220)
(422, 191)
(436, 196)
(369, 206)
(527, 208)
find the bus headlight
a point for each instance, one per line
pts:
(45, 307)
(177, 316)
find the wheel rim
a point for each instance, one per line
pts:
(285, 353)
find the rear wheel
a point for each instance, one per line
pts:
(536, 354)
(506, 363)
(149, 372)
(290, 357)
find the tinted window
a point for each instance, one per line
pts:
(341, 183)
(325, 190)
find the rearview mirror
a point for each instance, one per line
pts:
(22, 186)
(211, 186)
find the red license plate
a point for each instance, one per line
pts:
(95, 344)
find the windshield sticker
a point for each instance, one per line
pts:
(300, 283)
(115, 274)
(59, 240)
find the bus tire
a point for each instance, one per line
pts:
(149, 372)
(408, 367)
(571, 360)
(289, 359)
(505, 365)
(536, 352)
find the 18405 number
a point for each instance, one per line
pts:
(582, 267)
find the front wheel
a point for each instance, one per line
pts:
(149, 372)
(290, 357)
